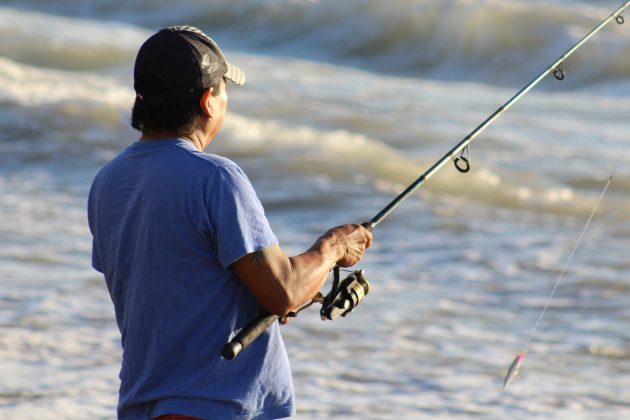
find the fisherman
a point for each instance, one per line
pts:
(187, 253)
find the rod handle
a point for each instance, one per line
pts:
(249, 333)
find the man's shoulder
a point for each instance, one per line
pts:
(216, 160)
(175, 157)
(204, 158)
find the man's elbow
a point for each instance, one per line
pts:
(279, 303)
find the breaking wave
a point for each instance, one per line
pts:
(483, 40)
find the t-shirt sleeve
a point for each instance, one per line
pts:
(238, 217)
(96, 258)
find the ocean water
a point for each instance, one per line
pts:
(346, 104)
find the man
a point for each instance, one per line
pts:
(187, 252)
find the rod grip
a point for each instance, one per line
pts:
(249, 333)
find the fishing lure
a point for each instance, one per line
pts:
(513, 370)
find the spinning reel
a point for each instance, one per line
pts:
(344, 295)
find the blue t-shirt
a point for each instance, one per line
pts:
(168, 221)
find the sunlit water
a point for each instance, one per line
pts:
(346, 104)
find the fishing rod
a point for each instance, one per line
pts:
(347, 294)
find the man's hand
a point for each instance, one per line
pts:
(352, 240)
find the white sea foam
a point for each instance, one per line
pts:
(26, 85)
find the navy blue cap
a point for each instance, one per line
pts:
(178, 63)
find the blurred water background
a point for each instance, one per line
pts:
(346, 104)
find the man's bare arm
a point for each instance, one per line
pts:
(281, 283)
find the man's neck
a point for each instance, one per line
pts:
(165, 135)
(158, 135)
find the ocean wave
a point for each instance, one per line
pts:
(74, 111)
(70, 43)
(70, 114)
(483, 40)
(50, 115)
(343, 156)
(30, 85)
(495, 42)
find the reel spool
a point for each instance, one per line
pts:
(344, 296)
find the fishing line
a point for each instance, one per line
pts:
(567, 67)
(568, 262)
(513, 370)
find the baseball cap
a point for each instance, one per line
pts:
(178, 63)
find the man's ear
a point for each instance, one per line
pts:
(206, 104)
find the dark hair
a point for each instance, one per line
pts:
(173, 116)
